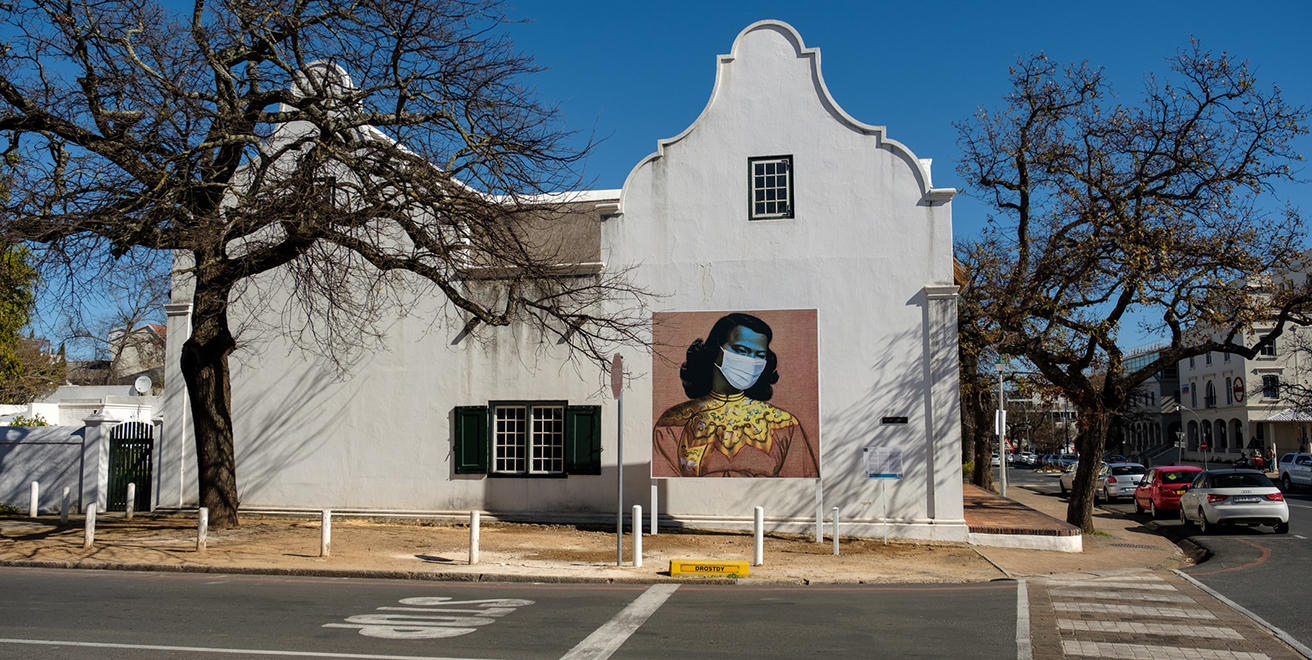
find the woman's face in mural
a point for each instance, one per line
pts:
(744, 347)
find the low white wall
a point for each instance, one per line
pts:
(51, 455)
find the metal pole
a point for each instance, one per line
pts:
(63, 508)
(883, 498)
(619, 480)
(819, 512)
(1002, 432)
(637, 536)
(202, 529)
(35, 497)
(326, 532)
(474, 521)
(758, 536)
(89, 531)
(835, 512)
(131, 501)
(653, 509)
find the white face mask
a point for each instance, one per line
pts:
(740, 370)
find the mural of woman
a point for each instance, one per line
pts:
(728, 428)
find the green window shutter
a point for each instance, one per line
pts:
(471, 440)
(583, 440)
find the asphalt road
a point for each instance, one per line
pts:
(103, 614)
(1264, 572)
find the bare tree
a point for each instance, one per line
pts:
(360, 152)
(1110, 213)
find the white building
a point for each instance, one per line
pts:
(857, 233)
(1235, 404)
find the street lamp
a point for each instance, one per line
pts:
(1002, 428)
(1179, 408)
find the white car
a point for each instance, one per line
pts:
(1234, 497)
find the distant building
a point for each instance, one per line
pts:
(1149, 417)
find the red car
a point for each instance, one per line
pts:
(1161, 488)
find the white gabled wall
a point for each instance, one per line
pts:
(862, 248)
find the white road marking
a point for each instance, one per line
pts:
(1117, 595)
(1138, 610)
(1300, 537)
(1112, 585)
(204, 649)
(1024, 647)
(1136, 628)
(1135, 651)
(607, 639)
(1279, 633)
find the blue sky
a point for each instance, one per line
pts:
(639, 72)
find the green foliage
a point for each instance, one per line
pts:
(34, 420)
(6, 510)
(967, 469)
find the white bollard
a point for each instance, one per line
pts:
(835, 512)
(202, 529)
(758, 536)
(653, 509)
(474, 520)
(325, 532)
(89, 533)
(637, 535)
(63, 508)
(819, 512)
(132, 500)
(35, 498)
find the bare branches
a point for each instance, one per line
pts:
(1109, 212)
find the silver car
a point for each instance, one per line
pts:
(1234, 497)
(1114, 480)
(1119, 480)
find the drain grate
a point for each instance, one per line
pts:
(1134, 546)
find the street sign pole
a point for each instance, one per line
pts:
(617, 388)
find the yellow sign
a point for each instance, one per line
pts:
(733, 569)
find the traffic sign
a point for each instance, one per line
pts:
(1202, 446)
(616, 375)
(1238, 388)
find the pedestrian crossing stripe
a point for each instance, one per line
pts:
(1141, 628)
(1134, 651)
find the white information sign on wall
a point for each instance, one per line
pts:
(883, 462)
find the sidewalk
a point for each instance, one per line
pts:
(557, 553)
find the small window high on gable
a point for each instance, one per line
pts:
(770, 185)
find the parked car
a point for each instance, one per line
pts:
(1027, 457)
(1066, 460)
(1114, 458)
(1161, 488)
(994, 461)
(1119, 480)
(1295, 470)
(1067, 478)
(1234, 497)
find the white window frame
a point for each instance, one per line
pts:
(771, 186)
(531, 444)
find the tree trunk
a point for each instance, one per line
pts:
(205, 369)
(1094, 426)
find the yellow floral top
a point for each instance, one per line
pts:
(730, 435)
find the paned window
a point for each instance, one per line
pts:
(527, 438)
(1209, 395)
(1269, 349)
(771, 186)
(1229, 391)
(1271, 387)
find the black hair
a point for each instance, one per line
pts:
(696, 372)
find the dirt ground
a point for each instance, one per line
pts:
(507, 551)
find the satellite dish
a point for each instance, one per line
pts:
(142, 385)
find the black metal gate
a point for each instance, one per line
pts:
(130, 448)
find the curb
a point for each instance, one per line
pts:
(375, 574)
